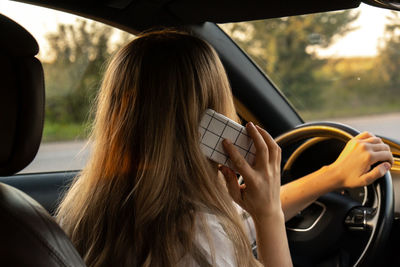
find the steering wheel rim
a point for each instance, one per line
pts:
(383, 186)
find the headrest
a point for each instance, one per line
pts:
(15, 39)
(21, 97)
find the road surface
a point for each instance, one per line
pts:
(73, 155)
(60, 156)
(387, 125)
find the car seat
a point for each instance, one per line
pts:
(29, 236)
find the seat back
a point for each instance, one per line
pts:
(29, 236)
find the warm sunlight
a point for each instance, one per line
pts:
(370, 24)
(39, 26)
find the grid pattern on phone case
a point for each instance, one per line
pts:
(214, 128)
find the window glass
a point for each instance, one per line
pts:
(73, 52)
(338, 66)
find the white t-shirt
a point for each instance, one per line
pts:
(220, 242)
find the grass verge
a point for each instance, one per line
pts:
(54, 132)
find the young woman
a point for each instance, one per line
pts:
(149, 197)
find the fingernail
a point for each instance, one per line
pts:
(249, 125)
(227, 141)
(387, 166)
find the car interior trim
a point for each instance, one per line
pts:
(244, 112)
(249, 83)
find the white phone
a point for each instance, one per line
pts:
(214, 128)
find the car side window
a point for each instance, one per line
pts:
(74, 52)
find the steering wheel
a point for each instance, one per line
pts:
(336, 230)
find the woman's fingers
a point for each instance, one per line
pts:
(259, 194)
(380, 147)
(237, 159)
(374, 147)
(272, 145)
(260, 145)
(381, 156)
(267, 154)
(266, 147)
(364, 135)
(231, 183)
(373, 140)
(375, 173)
(356, 159)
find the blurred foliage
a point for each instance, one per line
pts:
(389, 60)
(54, 131)
(286, 49)
(78, 55)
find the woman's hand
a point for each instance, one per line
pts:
(353, 166)
(260, 193)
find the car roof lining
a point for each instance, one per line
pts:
(142, 14)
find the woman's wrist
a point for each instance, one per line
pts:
(276, 216)
(334, 177)
(272, 244)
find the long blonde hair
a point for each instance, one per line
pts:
(136, 201)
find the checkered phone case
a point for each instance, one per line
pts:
(214, 128)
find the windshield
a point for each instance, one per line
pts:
(338, 66)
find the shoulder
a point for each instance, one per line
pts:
(222, 245)
(212, 239)
(212, 245)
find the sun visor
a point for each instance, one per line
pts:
(234, 11)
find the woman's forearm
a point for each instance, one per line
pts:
(351, 169)
(297, 195)
(272, 245)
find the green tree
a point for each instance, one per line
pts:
(389, 55)
(79, 52)
(355, 88)
(285, 48)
